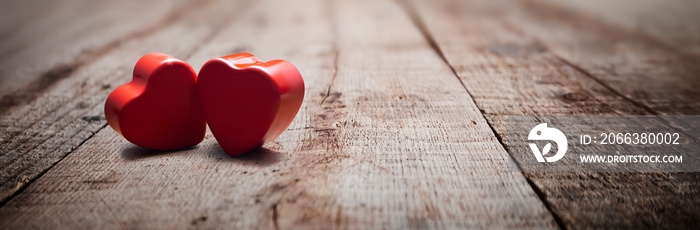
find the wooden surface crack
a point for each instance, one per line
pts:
(25, 184)
(335, 74)
(336, 52)
(275, 217)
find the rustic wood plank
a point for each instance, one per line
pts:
(387, 138)
(42, 42)
(517, 58)
(39, 134)
(646, 73)
(673, 22)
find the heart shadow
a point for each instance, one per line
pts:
(135, 152)
(260, 156)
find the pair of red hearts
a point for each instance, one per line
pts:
(245, 102)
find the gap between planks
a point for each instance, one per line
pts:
(627, 107)
(85, 60)
(409, 9)
(35, 88)
(463, 183)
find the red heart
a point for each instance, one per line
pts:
(158, 109)
(246, 102)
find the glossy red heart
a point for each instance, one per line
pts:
(158, 109)
(246, 102)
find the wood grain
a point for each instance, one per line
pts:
(672, 22)
(387, 138)
(42, 42)
(37, 135)
(644, 72)
(522, 59)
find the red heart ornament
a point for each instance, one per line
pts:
(158, 109)
(247, 102)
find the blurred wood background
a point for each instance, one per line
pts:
(400, 128)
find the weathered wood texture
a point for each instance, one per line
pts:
(673, 22)
(38, 134)
(525, 58)
(400, 127)
(412, 151)
(42, 42)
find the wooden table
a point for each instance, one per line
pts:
(401, 125)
